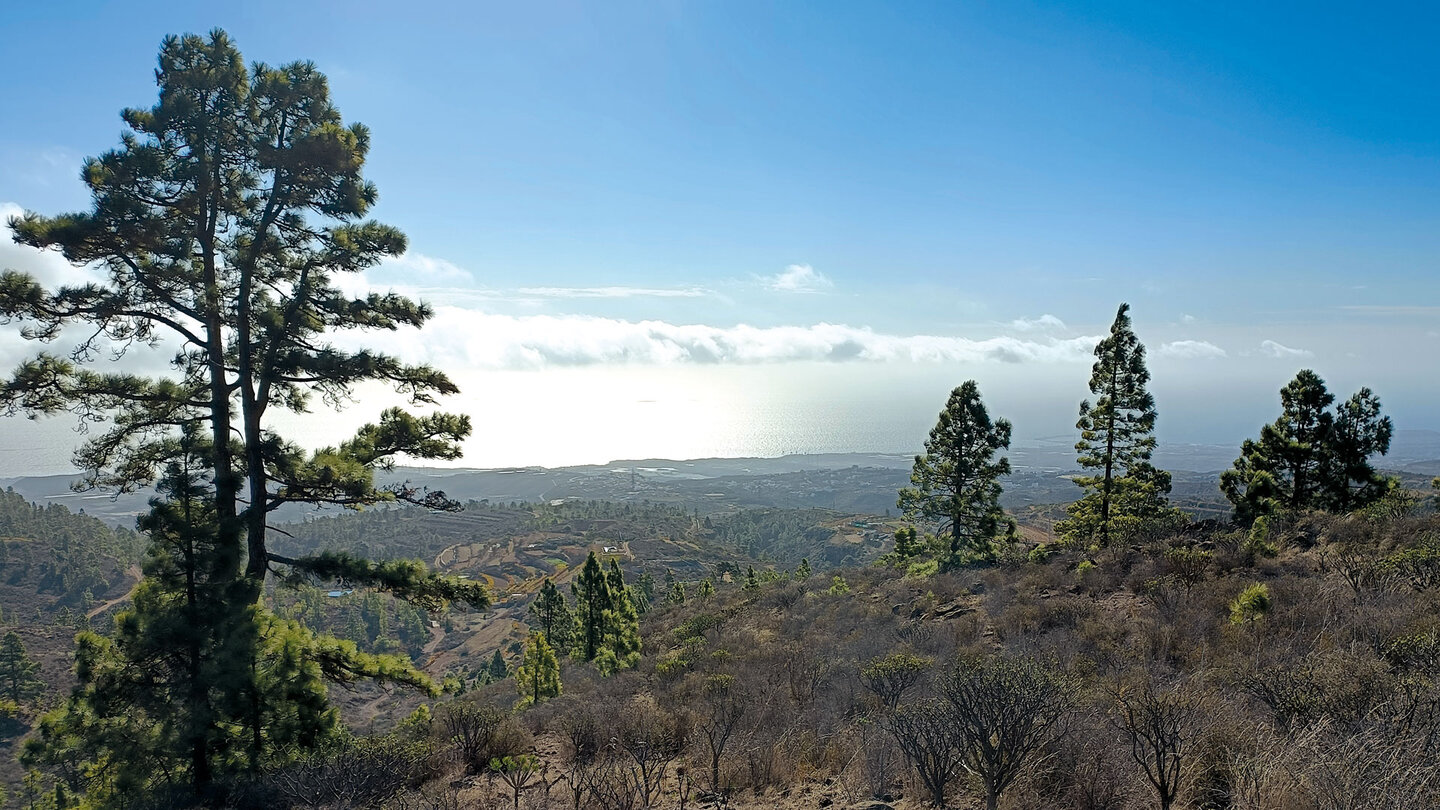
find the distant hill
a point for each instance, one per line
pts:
(854, 482)
(51, 558)
(57, 569)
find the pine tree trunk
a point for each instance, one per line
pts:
(198, 699)
(1109, 460)
(258, 562)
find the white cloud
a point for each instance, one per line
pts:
(460, 337)
(615, 292)
(419, 270)
(1270, 348)
(1191, 350)
(798, 278)
(1045, 322)
(412, 274)
(416, 274)
(1187, 318)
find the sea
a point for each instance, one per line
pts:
(580, 416)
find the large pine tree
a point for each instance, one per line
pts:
(1117, 438)
(607, 623)
(622, 631)
(593, 602)
(956, 482)
(219, 229)
(1311, 457)
(197, 682)
(1358, 433)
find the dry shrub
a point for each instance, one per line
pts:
(358, 773)
(480, 732)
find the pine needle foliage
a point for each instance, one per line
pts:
(955, 483)
(591, 590)
(622, 633)
(538, 676)
(1125, 494)
(219, 231)
(1311, 457)
(553, 617)
(607, 622)
(18, 680)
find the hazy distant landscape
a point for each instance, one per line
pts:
(860, 482)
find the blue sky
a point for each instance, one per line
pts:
(1258, 180)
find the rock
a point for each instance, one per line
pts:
(953, 609)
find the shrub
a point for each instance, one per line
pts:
(1251, 605)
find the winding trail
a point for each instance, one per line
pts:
(132, 571)
(437, 635)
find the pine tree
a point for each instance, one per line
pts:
(223, 222)
(908, 543)
(538, 676)
(752, 580)
(622, 631)
(1311, 458)
(1359, 433)
(221, 225)
(677, 594)
(17, 671)
(644, 591)
(803, 572)
(1117, 438)
(497, 670)
(707, 588)
(553, 616)
(593, 602)
(956, 481)
(180, 662)
(211, 684)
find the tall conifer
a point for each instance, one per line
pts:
(1117, 437)
(956, 482)
(18, 681)
(622, 631)
(553, 616)
(220, 230)
(591, 590)
(497, 670)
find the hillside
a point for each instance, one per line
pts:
(51, 558)
(56, 569)
(798, 647)
(1321, 695)
(515, 547)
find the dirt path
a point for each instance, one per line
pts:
(132, 571)
(437, 635)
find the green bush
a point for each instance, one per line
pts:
(1251, 605)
